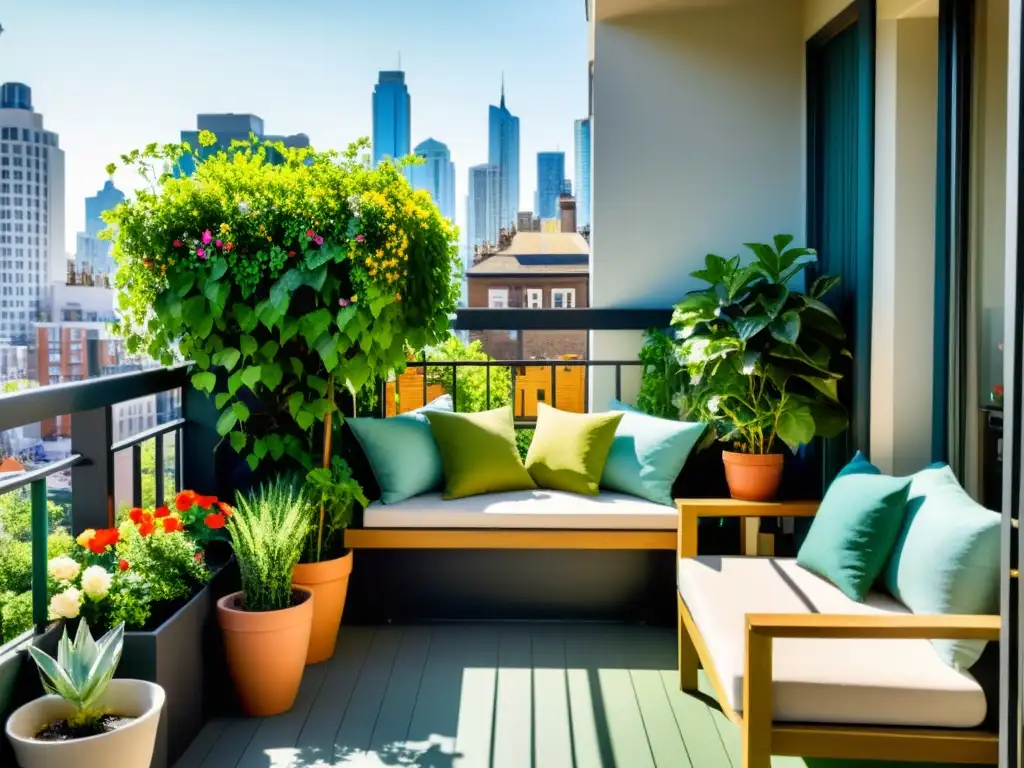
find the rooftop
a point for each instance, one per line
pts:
(533, 252)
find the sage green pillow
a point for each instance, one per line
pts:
(854, 531)
(478, 452)
(946, 558)
(569, 450)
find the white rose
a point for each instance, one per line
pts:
(65, 605)
(63, 568)
(95, 582)
(712, 406)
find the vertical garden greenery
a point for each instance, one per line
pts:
(288, 278)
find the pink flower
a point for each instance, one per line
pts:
(318, 240)
(360, 238)
(343, 302)
(200, 253)
(176, 243)
(207, 237)
(218, 243)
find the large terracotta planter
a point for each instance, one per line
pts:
(266, 652)
(328, 581)
(130, 746)
(752, 476)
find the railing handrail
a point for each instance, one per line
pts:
(36, 404)
(571, 319)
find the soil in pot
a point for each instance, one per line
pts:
(328, 581)
(266, 651)
(752, 476)
(62, 730)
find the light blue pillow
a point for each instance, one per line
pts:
(946, 559)
(648, 454)
(402, 452)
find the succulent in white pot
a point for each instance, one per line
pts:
(86, 719)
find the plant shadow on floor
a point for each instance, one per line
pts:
(405, 754)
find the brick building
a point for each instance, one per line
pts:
(538, 270)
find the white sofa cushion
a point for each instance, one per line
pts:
(524, 510)
(869, 682)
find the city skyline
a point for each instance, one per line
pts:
(453, 71)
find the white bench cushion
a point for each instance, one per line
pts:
(868, 682)
(524, 510)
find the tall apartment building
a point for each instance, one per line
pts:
(92, 254)
(392, 116)
(550, 183)
(503, 153)
(436, 175)
(31, 213)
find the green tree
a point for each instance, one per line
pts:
(470, 385)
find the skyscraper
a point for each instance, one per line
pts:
(228, 127)
(503, 152)
(582, 148)
(436, 175)
(482, 216)
(31, 213)
(550, 183)
(392, 117)
(93, 254)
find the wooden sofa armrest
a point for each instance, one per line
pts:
(691, 510)
(762, 629)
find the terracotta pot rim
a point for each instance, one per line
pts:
(236, 620)
(761, 459)
(334, 569)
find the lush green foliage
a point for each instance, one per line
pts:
(166, 562)
(289, 276)
(331, 492)
(81, 671)
(762, 361)
(471, 383)
(662, 378)
(268, 531)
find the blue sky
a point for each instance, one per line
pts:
(113, 75)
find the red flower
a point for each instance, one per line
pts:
(184, 501)
(291, 253)
(177, 243)
(161, 512)
(198, 557)
(205, 501)
(147, 526)
(147, 262)
(172, 524)
(229, 246)
(214, 521)
(135, 515)
(107, 537)
(225, 508)
(310, 234)
(123, 565)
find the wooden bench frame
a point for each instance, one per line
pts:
(761, 736)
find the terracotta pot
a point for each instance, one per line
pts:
(753, 476)
(328, 581)
(266, 652)
(130, 746)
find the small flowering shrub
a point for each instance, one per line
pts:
(294, 278)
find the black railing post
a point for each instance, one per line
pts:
(137, 475)
(92, 481)
(40, 525)
(158, 469)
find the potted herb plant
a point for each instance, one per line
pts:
(267, 624)
(762, 361)
(86, 718)
(325, 566)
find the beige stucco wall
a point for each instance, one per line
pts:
(817, 13)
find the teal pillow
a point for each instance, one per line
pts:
(946, 559)
(854, 530)
(859, 465)
(401, 451)
(648, 454)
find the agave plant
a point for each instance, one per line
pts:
(762, 360)
(81, 671)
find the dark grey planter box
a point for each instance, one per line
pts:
(173, 656)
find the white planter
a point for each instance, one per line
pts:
(130, 746)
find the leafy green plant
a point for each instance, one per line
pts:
(81, 671)
(470, 387)
(268, 531)
(662, 378)
(281, 273)
(762, 361)
(332, 492)
(166, 562)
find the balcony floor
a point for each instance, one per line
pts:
(490, 696)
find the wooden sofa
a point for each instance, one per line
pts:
(805, 671)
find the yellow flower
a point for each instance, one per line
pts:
(223, 227)
(85, 537)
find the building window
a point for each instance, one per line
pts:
(563, 298)
(534, 298)
(497, 298)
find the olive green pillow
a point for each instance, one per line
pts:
(478, 452)
(569, 450)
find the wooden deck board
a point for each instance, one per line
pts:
(510, 695)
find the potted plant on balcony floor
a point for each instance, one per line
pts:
(267, 624)
(86, 719)
(762, 361)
